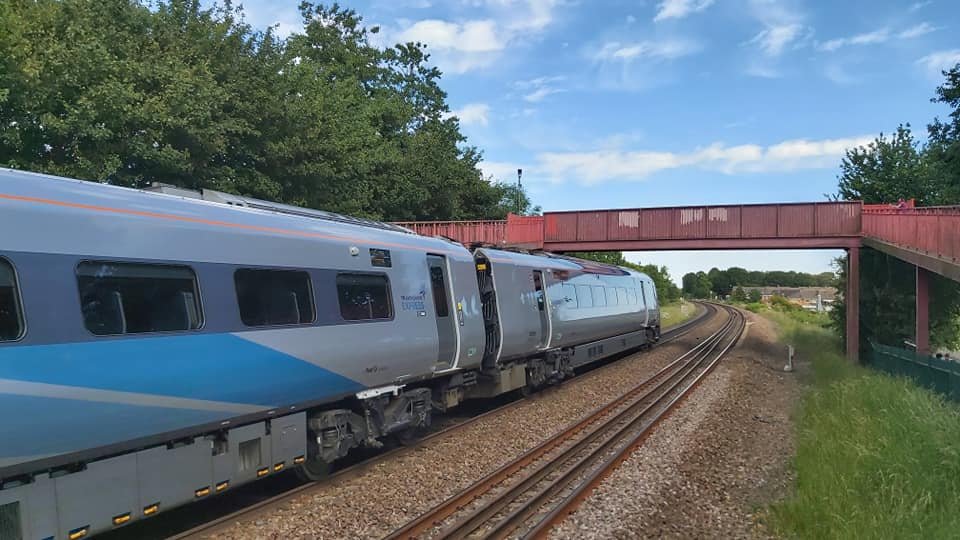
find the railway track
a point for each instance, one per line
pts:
(264, 505)
(528, 496)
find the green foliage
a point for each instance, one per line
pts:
(755, 307)
(754, 296)
(722, 282)
(876, 455)
(129, 93)
(739, 295)
(884, 171)
(697, 285)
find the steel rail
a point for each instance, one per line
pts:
(261, 507)
(516, 518)
(581, 492)
(629, 400)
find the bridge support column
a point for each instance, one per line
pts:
(852, 299)
(923, 311)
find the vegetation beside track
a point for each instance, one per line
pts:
(877, 456)
(675, 313)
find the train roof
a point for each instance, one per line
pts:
(210, 208)
(554, 261)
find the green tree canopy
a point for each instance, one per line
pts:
(130, 93)
(882, 172)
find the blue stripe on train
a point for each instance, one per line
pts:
(35, 426)
(219, 367)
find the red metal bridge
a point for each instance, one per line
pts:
(928, 238)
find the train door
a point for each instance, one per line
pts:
(646, 302)
(541, 296)
(446, 322)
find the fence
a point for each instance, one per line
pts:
(937, 374)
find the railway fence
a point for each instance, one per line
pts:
(941, 375)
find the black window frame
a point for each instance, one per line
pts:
(311, 296)
(198, 296)
(440, 299)
(389, 296)
(18, 302)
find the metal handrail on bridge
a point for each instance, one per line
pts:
(931, 230)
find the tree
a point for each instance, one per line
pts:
(697, 285)
(887, 170)
(128, 93)
(739, 295)
(754, 296)
(881, 172)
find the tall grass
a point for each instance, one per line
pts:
(877, 456)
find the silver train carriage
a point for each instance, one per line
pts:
(163, 346)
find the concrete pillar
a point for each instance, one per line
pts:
(923, 311)
(852, 299)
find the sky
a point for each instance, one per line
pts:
(615, 103)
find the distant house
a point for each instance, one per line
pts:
(812, 298)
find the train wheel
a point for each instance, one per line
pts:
(314, 470)
(410, 436)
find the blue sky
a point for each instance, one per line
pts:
(673, 102)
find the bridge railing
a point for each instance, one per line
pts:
(467, 232)
(516, 231)
(748, 221)
(933, 230)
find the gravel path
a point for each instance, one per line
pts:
(395, 491)
(707, 468)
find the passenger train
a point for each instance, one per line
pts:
(163, 346)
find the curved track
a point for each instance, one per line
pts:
(528, 496)
(262, 505)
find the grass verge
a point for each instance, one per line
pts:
(877, 456)
(675, 313)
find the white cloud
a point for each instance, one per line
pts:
(917, 30)
(867, 38)
(919, 5)
(540, 93)
(537, 89)
(470, 37)
(500, 171)
(658, 50)
(678, 9)
(285, 20)
(606, 165)
(631, 19)
(472, 114)
(460, 46)
(940, 61)
(775, 38)
(881, 35)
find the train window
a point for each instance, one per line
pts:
(621, 296)
(611, 296)
(270, 297)
(570, 296)
(439, 292)
(11, 316)
(599, 296)
(538, 289)
(584, 296)
(364, 297)
(133, 298)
